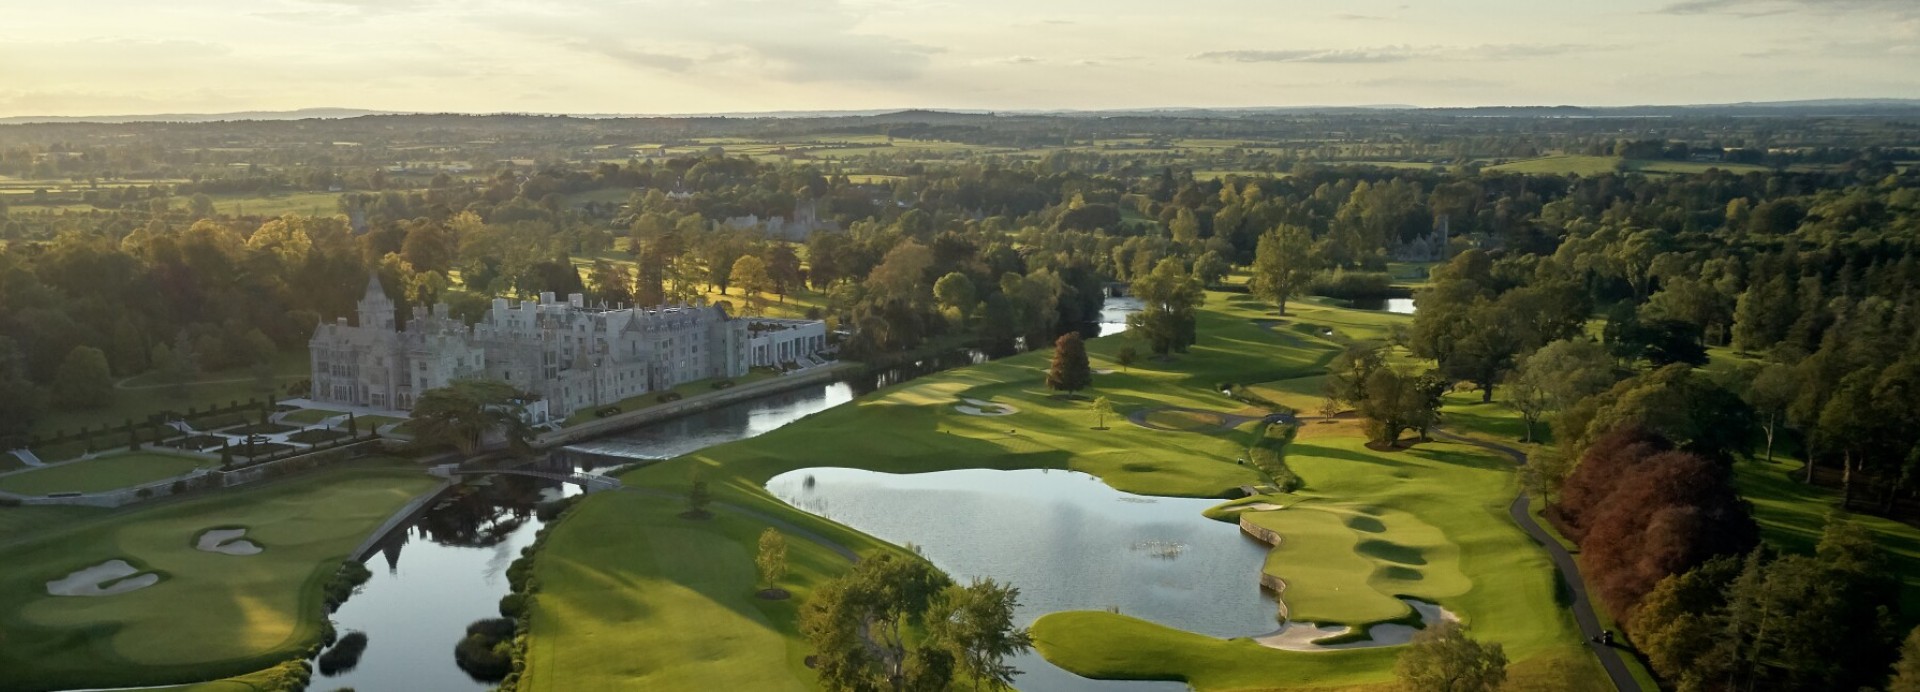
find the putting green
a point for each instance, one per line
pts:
(1428, 522)
(212, 615)
(102, 473)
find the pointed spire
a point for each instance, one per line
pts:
(374, 289)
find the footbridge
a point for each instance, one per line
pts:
(587, 481)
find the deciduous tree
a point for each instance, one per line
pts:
(1283, 264)
(1442, 658)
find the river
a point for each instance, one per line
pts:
(446, 569)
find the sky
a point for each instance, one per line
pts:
(113, 57)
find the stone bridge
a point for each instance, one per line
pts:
(588, 482)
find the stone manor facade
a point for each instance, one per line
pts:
(572, 356)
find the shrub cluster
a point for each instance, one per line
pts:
(1268, 453)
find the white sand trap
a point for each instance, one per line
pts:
(227, 542)
(87, 582)
(1255, 507)
(1103, 371)
(1300, 636)
(976, 407)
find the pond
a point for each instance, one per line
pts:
(1067, 540)
(1402, 306)
(1113, 314)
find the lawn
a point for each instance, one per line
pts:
(102, 473)
(607, 602)
(211, 615)
(626, 558)
(309, 416)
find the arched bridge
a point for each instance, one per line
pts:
(588, 482)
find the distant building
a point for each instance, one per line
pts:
(1431, 247)
(775, 343)
(571, 356)
(806, 220)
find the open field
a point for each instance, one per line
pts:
(1564, 164)
(210, 615)
(102, 473)
(1498, 581)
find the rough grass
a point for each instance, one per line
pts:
(102, 473)
(212, 615)
(610, 601)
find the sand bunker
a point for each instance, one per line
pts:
(976, 407)
(1255, 507)
(227, 542)
(87, 582)
(1300, 636)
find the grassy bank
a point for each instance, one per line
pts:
(210, 615)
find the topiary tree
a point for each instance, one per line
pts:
(1070, 371)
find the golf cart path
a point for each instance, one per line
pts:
(1583, 614)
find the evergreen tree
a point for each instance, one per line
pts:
(1070, 371)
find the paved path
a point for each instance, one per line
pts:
(1228, 421)
(1520, 510)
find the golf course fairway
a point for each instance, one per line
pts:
(210, 615)
(607, 601)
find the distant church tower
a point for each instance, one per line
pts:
(376, 310)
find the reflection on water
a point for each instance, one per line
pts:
(1113, 314)
(672, 438)
(1067, 540)
(415, 609)
(1403, 306)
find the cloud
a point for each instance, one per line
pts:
(1343, 55)
(789, 40)
(1458, 83)
(1748, 9)
(1395, 54)
(1361, 17)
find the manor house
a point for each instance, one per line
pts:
(571, 356)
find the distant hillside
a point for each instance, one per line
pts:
(301, 114)
(1814, 107)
